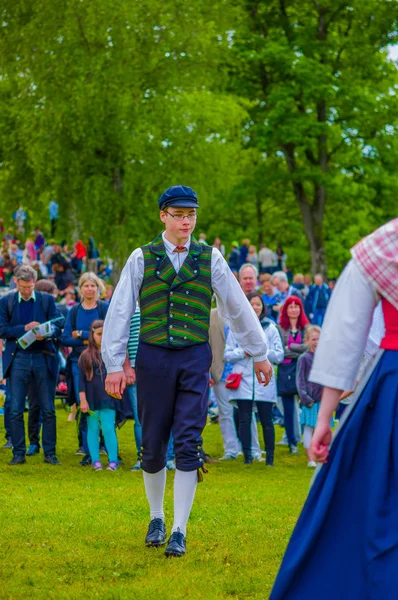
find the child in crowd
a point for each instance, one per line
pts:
(310, 393)
(95, 401)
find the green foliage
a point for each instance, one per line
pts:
(281, 114)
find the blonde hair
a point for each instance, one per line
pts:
(89, 276)
(310, 329)
(298, 278)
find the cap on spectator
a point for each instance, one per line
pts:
(235, 244)
(178, 195)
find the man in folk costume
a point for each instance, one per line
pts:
(175, 277)
(349, 523)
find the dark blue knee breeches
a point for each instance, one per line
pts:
(172, 388)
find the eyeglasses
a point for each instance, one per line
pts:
(180, 217)
(26, 287)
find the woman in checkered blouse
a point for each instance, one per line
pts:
(345, 544)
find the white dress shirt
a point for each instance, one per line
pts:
(345, 330)
(233, 307)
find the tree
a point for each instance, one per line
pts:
(103, 105)
(323, 94)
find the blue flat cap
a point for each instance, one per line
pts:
(178, 195)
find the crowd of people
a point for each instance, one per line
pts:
(67, 363)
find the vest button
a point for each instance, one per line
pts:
(171, 316)
(171, 293)
(195, 271)
(185, 337)
(172, 339)
(186, 314)
(171, 326)
(185, 326)
(187, 292)
(171, 304)
(186, 303)
(157, 272)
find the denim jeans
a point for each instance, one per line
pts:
(288, 414)
(82, 435)
(35, 417)
(7, 410)
(26, 368)
(132, 394)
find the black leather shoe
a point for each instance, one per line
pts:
(156, 535)
(269, 461)
(33, 449)
(51, 459)
(86, 461)
(17, 460)
(176, 545)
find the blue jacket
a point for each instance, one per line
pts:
(312, 299)
(11, 328)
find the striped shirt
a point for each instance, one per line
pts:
(132, 345)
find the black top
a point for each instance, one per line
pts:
(96, 395)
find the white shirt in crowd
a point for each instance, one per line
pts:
(267, 258)
(232, 305)
(345, 330)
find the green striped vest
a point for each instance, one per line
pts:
(175, 308)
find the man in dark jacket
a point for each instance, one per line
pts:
(317, 300)
(21, 312)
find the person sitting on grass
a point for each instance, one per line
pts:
(310, 393)
(96, 402)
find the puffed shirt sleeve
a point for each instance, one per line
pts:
(345, 331)
(234, 309)
(123, 304)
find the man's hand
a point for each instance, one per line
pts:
(129, 371)
(76, 334)
(115, 384)
(211, 382)
(263, 371)
(30, 325)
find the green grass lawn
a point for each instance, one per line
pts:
(68, 532)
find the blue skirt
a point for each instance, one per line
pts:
(345, 544)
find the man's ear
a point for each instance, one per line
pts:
(162, 216)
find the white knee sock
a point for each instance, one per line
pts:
(308, 433)
(155, 484)
(184, 492)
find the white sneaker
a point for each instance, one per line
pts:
(228, 457)
(258, 457)
(312, 464)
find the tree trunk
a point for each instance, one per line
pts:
(312, 214)
(260, 220)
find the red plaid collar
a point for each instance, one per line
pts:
(377, 257)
